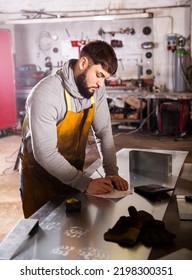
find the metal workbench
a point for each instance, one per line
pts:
(150, 97)
(79, 235)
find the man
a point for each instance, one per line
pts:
(60, 111)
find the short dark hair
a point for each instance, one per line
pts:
(101, 53)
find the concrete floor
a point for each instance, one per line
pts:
(10, 203)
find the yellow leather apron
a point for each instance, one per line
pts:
(38, 185)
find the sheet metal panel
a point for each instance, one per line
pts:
(79, 235)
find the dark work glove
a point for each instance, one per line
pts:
(140, 226)
(155, 233)
(139, 218)
(127, 229)
(124, 233)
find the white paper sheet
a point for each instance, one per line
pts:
(114, 194)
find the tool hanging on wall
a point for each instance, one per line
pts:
(121, 62)
(78, 43)
(147, 45)
(116, 43)
(127, 30)
(44, 41)
(48, 62)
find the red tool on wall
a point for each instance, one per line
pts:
(78, 43)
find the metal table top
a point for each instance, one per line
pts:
(79, 235)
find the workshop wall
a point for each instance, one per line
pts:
(59, 42)
(35, 42)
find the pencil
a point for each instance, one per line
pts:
(103, 177)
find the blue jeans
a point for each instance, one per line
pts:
(21, 186)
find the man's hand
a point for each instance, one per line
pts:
(100, 186)
(106, 185)
(119, 183)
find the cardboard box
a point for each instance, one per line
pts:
(135, 102)
(117, 116)
(133, 116)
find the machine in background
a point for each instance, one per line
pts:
(174, 116)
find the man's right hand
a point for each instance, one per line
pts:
(99, 186)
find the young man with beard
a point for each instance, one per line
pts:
(60, 111)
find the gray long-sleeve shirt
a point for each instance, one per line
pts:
(46, 107)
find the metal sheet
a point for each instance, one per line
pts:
(16, 237)
(150, 164)
(184, 208)
(79, 235)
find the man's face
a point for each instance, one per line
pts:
(91, 79)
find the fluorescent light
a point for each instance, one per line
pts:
(81, 18)
(122, 16)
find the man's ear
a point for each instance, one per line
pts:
(83, 63)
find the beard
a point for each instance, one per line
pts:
(82, 86)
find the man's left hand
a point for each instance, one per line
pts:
(119, 183)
